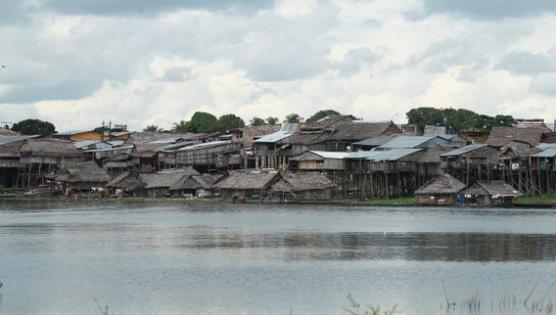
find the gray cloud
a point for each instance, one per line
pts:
(64, 91)
(490, 9)
(357, 58)
(147, 7)
(176, 74)
(522, 62)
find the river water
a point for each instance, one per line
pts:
(207, 258)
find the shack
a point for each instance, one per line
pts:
(319, 161)
(9, 160)
(242, 185)
(303, 187)
(40, 157)
(81, 177)
(128, 183)
(494, 193)
(441, 190)
(158, 184)
(201, 186)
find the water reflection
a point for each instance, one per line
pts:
(296, 245)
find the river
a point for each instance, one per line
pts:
(211, 258)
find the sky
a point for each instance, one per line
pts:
(77, 63)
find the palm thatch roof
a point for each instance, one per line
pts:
(49, 147)
(84, 172)
(127, 181)
(248, 180)
(203, 181)
(8, 132)
(303, 182)
(165, 179)
(494, 188)
(503, 136)
(444, 184)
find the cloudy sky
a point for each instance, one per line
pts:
(79, 62)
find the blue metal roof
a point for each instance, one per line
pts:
(464, 150)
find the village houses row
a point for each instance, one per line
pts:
(335, 157)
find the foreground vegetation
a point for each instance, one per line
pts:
(404, 201)
(548, 199)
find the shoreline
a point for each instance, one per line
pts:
(377, 203)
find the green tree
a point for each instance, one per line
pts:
(34, 127)
(256, 121)
(201, 122)
(151, 128)
(272, 120)
(293, 118)
(322, 114)
(182, 126)
(457, 119)
(230, 121)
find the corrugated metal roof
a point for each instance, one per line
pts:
(546, 145)
(332, 155)
(290, 127)
(401, 142)
(10, 139)
(547, 153)
(361, 155)
(464, 150)
(71, 132)
(274, 137)
(206, 144)
(374, 141)
(85, 143)
(391, 155)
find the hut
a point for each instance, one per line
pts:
(81, 177)
(9, 160)
(127, 184)
(495, 193)
(441, 190)
(242, 185)
(319, 161)
(39, 157)
(303, 187)
(158, 184)
(196, 186)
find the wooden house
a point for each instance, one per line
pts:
(319, 161)
(202, 185)
(10, 164)
(440, 191)
(242, 185)
(472, 162)
(81, 177)
(303, 187)
(371, 143)
(496, 193)
(158, 184)
(210, 155)
(267, 151)
(128, 183)
(39, 157)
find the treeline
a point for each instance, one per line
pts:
(455, 120)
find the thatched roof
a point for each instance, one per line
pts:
(83, 172)
(165, 179)
(128, 181)
(8, 132)
(203, 181)
(248, 180)
(11, 149)
(494, 188)
(303, 182)
(340, 128)
(444, 184)
(503, 136)
(49, 147)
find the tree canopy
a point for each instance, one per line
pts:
(257, 121)
(151, 128)
(322, 114)
(272, 120)
(34, 127)
(293, 118)
(230, 121)
(456, 119)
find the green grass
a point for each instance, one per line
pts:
(544, 199)
(405, 201)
